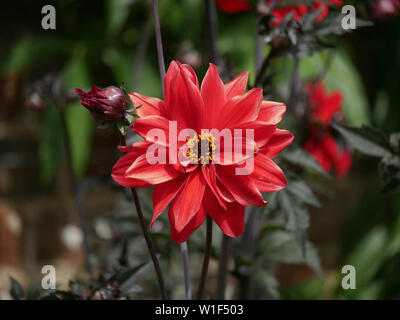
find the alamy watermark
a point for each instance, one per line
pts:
(49, 20)
(49, 280)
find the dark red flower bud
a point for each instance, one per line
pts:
(385, 8)
(108, 104)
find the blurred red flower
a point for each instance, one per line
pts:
(108, 104)
(196, 186)
(385, 8)
(321, 144)
(233, 6)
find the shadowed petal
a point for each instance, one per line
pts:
(211, 179)
(279, 141)
(267, 175)
(192, 226)
(242, 187)
(151, 173)
(164, 193)
(189, 200)
(143, 126)
(231, 221)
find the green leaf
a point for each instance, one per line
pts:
(17, 293)
(130, 284)
(366, 140)
(297, 217)
(369, 255)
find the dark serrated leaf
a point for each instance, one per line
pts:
(302, 192)
(366, 140)
(77, 290)
(281, 246)
(303, 159)
(16, 291)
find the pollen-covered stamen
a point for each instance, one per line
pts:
(201, 148)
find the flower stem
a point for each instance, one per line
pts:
(147, 237)
(206, 259)
(223, 266)
(293, 93)
(160, 54)
(186, 274)
(74, 188)
(161, 65)
(259, 46)
(211, 15)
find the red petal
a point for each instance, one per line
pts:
(211, 179)
(193, 224)
(324, 12)
(164, 193)
(242, 187)
(267, 174)
(314, 147)
(189, 200)
(142, 126)
(191, 74)
(279, 141)
(232, 6)
(271, 112)
(148, 106)
(230, 221)
(237, 86)
(182, 98)
(338, 3)
(263, 131)
(340, 159)
(157, 173)
(213, 93)
(137, 148)
(241, 109)
(119, 172)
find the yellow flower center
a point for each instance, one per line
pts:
(201, 148)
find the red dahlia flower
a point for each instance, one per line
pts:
(321, 144)
(232, 6)
(200, 175)
(108, 104)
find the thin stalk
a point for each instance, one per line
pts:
(294, 84)
(149, 242)
(206, 259)
(160, 54)
(161, 65)
(223, 266)
(186, 274)
(249, 244)
(74, 188)
(259, 45)
(211, 21)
